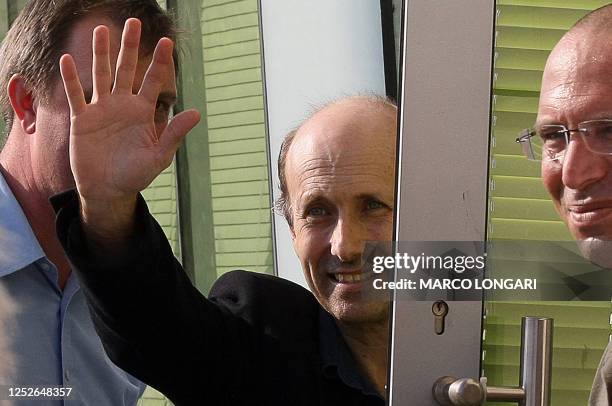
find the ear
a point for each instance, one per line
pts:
(23, 104)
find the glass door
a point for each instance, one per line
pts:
(470, 82)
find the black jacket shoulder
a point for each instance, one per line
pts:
(280, 308)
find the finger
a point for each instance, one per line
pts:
(158, 71)
(72, 85)
(128, 56)
(101, 68)
(173, 135)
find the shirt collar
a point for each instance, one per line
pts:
(337, 359)
(19, 246)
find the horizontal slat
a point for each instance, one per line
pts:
(228, 10)
(243, 231)
(162, 207)
(564, 358)
(244, 259)
(528, 230)
(253, 216)
(238, 160)
(515, 166)
(513, 121)
(244, 244)
(504, 141)
(234, 91)
(235, 119)
(513, 79)
(241, 203)
(514, 104)
(240, 189)
(231, 23)
(232, 64)
(565, 337)
(155, 193)
(565, 379)
(234, 105)
(232, 50)
(230, 37)
(519, 187)
(527, 38)
(233, 78)
(238, 147)
(239, 175)
(578, 314)
(527, 209)
(538, 17)
(572, 4)
(213, 3)
(520, 59)
(166, 219)
(244, 132)
(260, 269)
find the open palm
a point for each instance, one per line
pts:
(115, 150)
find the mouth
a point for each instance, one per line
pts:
(589, 213)
(350, 277)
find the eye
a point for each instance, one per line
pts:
(374, 205)
(316, 212)
(551, 133)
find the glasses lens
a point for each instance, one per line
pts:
(598, 135)
(551, 140)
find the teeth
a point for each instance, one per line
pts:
(347, 278)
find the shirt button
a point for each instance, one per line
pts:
(44, 266)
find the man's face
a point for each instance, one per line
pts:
(340, 179)
(49, 148)
(576, 87)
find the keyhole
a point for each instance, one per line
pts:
(439, 310)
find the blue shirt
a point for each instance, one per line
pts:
(48, 338)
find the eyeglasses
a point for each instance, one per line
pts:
(549, 142)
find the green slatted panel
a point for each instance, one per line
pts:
(237, 137)
(520, 207)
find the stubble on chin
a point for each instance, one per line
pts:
(596, 250)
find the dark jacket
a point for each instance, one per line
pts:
(255, 341)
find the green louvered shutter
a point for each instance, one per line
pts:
(237, 136)
(520, 208)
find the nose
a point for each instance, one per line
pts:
(348, 240)
(581, 167)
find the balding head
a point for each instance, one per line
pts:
(577, 93)
(343, 115)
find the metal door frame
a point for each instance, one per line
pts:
(443, 161)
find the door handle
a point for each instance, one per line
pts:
(534, 379)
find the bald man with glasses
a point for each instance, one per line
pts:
(573, 139)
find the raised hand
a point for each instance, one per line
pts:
(115, 148)
(117, 145)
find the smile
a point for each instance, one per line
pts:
(353, 277)
(588, 213)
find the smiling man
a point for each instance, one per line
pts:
(573, 138)
(337, 192)
(257, 339)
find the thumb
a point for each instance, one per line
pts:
(176, 130)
